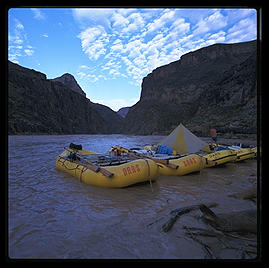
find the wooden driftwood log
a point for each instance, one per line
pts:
(180, 211)
(238, 221)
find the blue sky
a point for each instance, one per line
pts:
(109, 51)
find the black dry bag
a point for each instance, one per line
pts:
(75, 146)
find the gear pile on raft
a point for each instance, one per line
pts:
(178, 154)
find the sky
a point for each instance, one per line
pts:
(110, 50)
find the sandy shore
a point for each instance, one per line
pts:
(229, 141)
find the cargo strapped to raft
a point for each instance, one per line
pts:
(78, 158)
(139, 156)
(75, 146)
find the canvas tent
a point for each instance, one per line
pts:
(184, 141)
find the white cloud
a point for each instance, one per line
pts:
(17, 38)
(87, 73)
(140, 55)
(234, 15)
(13, 55)
(89, 77)
(126, 23)
(92, 77)
(141, 40)
(102, 77)
(136, 22)
(38, 14)
(84, 67)
(94, 16)
(161, 21)
(29, 52)
(45, 35)
(180, 26)
(244, 30)
(93, 41)
(119, 20)
(213, 22)
(114, 72)
(116, 46)
(18, 24)
(81, 75)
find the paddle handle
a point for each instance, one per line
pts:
(102, 170)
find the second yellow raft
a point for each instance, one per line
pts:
(244, 153)
(186, 164)
(220, 157)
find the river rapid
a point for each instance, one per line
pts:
(52, 215)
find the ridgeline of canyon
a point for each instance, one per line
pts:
(212, 86)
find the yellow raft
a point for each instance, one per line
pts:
(186, 164)
(170, 166)
(254, 150)
(117, 176)
(220, 157)
(245, 153)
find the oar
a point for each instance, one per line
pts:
(89, 166)
(102, 170)
(85, 152)
(137, 155)
(164, 162)
(92, 166)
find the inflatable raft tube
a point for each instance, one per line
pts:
(126, 174)
(245, 153)
(254, 150)
(186, 164)
(220, 157)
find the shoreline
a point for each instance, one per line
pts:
(224, 136)
(249, 139)
(232, 141)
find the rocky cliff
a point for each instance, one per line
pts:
(69, 81)
(213, 86)
(123, 111)
(39, 105)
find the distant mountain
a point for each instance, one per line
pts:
(213, 86)
(123, 111)
(40, 105)
(69, 81)
(113, 121)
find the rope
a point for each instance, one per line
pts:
(149, 175)
(201, 163)
(63, 164)
(82, 170)
(75, 168)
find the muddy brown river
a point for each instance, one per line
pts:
(51, 215)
